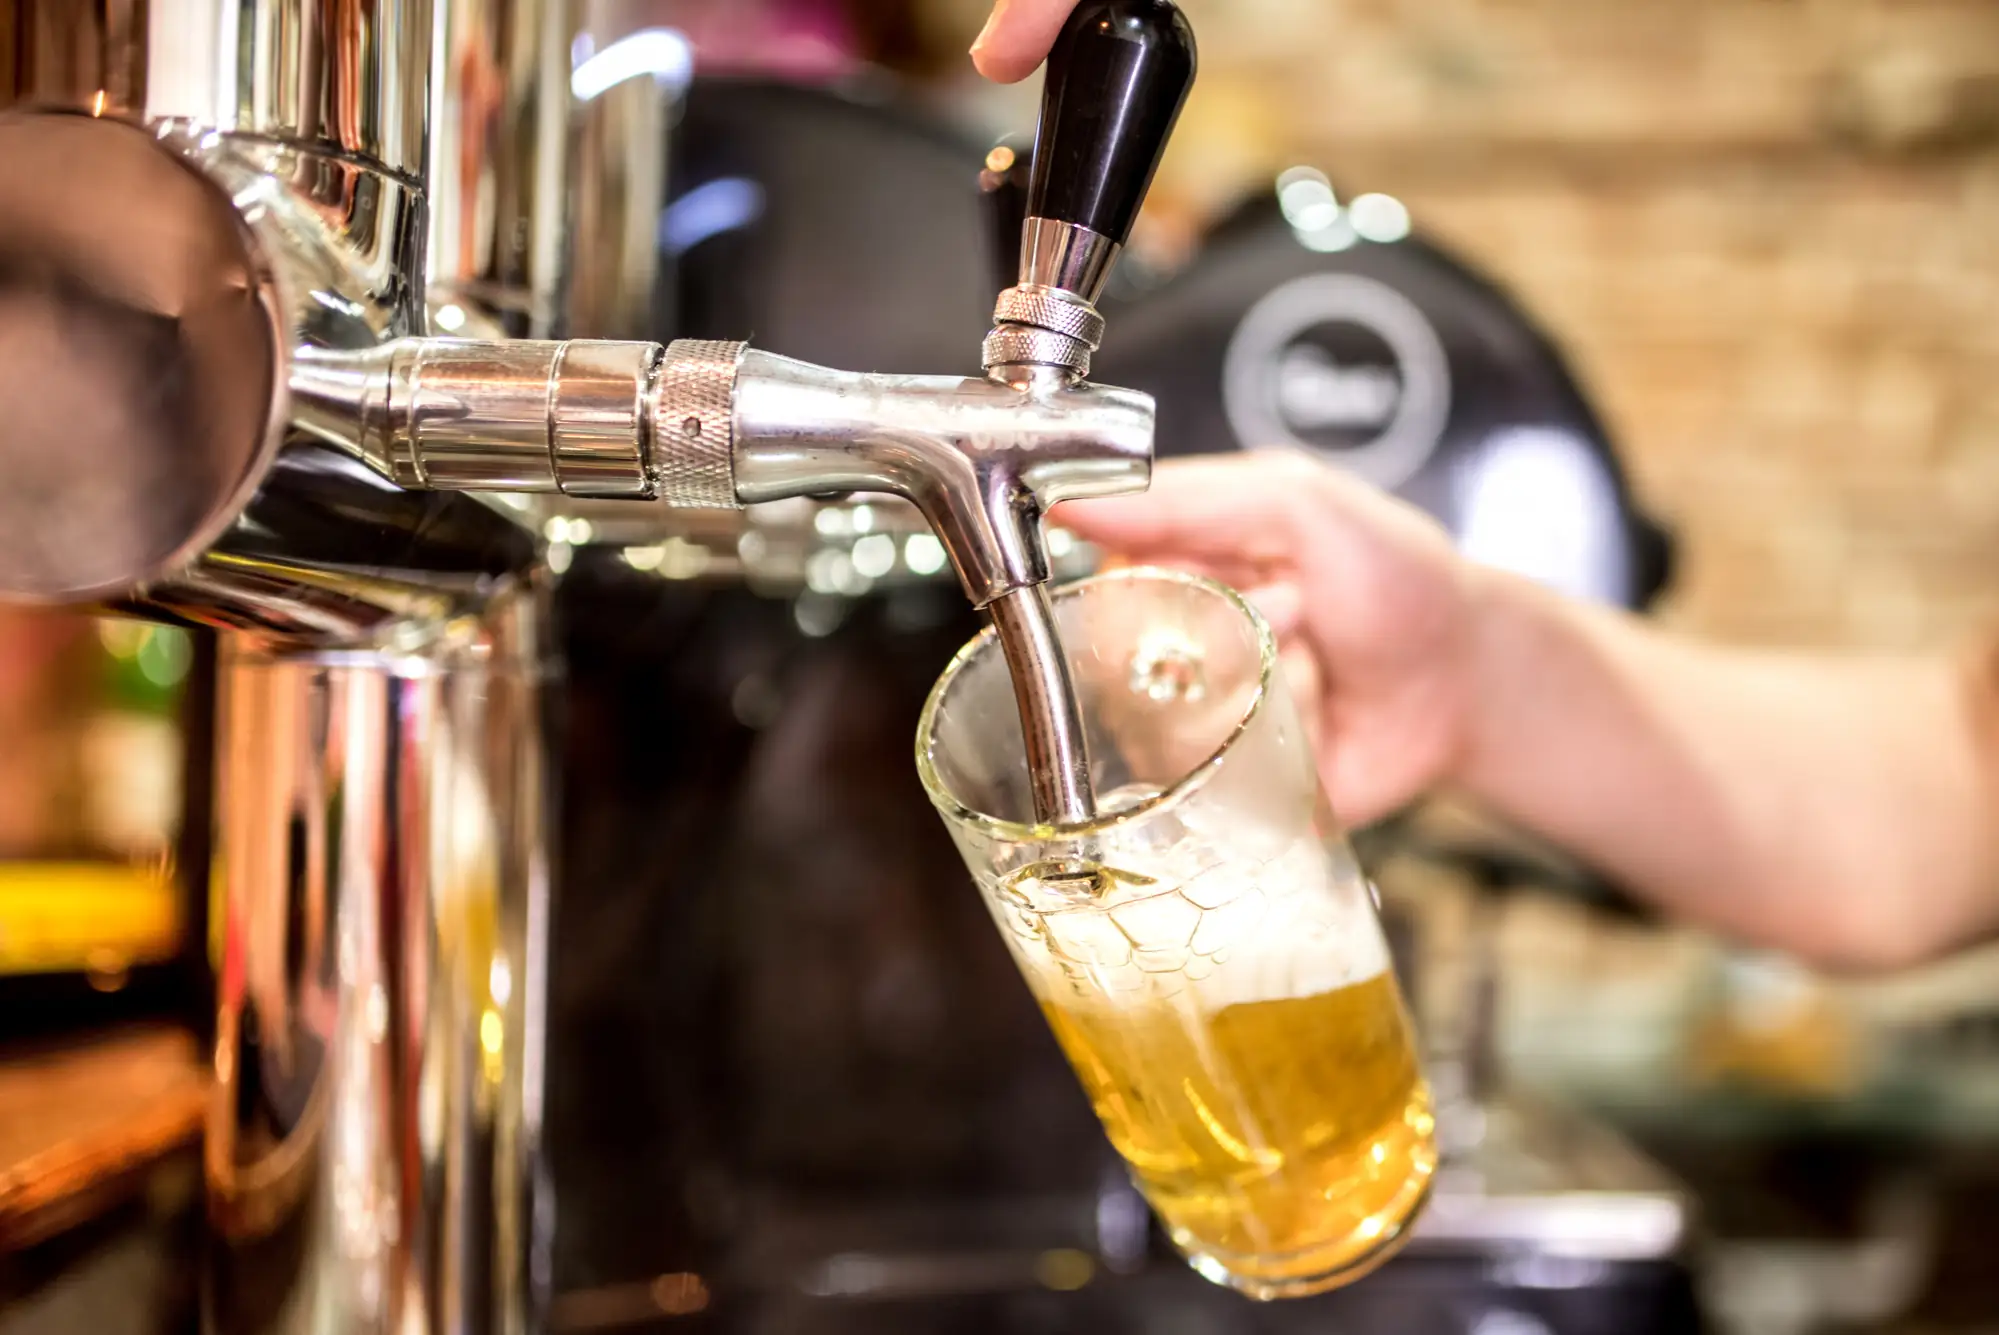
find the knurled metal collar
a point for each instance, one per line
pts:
(1052, 309)
(694, 425)
(1017, 345)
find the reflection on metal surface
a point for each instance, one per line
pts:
(346, 76)
(374, 1137)
(505, 416)
(1066, 258)
(1049, 320)
(1115, 81)
(277, 533)
(982, 459)
(1056, 761)
(499, 160)
(373, 1144)
(160, 357)
(619, 194)
(661, 54)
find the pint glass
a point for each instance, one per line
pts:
(1206, 949)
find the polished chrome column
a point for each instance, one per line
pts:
(499, 167)
(548, 171)
(628, 87)
(381, 921)
(238, 189)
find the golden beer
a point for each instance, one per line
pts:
(1290, 1141)
(1246, 1048)
(1250, 1058)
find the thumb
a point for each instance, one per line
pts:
(1018, 36)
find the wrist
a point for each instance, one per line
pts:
(1529, 653)
(1975, 692)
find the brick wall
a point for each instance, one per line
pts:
(1767, 231)
(1800, 357)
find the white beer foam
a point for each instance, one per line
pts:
(1283, 929)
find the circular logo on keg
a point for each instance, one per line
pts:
(1345, 367)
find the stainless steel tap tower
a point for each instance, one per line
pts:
(224, 227)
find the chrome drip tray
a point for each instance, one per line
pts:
(1521, 1178)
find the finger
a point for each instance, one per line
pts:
(1306, 684)
(1272, 592)
(1018, 36)
(1240, 575)
(1239, 509)
(1282, 605)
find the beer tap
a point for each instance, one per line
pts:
(321, 323)
(711, 424)
(695, 424)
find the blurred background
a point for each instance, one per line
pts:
(1761, 238)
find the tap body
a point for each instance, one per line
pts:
(720, 425)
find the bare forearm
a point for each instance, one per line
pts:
(1840, 808)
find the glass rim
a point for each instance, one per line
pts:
(952, 809)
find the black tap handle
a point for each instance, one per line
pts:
(1117, 78)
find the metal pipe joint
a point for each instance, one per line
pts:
(435, 414)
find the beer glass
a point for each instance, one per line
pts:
(1206, 949)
